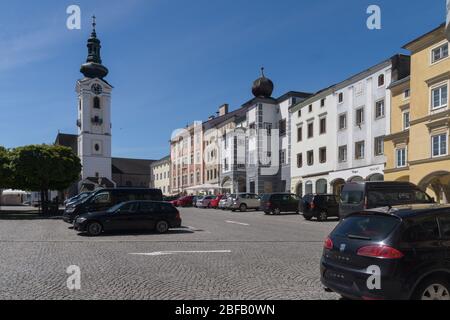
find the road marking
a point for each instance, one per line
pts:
(166, 253)
(239, 223)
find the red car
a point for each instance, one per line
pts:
(174, 202)
(215, 202)
(185, 201)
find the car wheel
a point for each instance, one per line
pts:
(323, 216)
(277, 211)
(162, 226)
(94, 229)
(243, 207)
(435, 288)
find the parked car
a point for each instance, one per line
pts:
(133, 215)
(77, 198)
(360, 196)
(320, 206)
(185, 201)
(276, 203)
(409, 246)
(205, 202)
(175, 202)
(224, 202)
(215, 202)
(244, 201)
(104, 199)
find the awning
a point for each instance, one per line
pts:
(204, 187)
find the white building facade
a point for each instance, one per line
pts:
(338, 135)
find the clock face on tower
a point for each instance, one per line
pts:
(96, 89)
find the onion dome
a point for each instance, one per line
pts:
(93, 67)
(262, 87)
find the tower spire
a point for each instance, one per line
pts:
(93, 67)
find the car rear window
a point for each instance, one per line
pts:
(352, 197)
(367, 227)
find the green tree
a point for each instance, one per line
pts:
(5, 170)
(43, 168)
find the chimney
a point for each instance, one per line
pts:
(223, 110)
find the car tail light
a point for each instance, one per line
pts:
(328, 244)
(178, 217)
(366, 203)
(312, 205)
(380, 252)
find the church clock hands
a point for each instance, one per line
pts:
(97, 89)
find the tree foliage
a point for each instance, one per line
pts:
(44, 167)
(5, 168)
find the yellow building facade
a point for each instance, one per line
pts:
(417, 149)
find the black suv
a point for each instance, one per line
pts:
(320, 206)
(103, 199)
(276, 203)
(402, 253)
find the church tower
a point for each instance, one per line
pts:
(94, 118)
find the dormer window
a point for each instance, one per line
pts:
(381, 80)
(96, 103)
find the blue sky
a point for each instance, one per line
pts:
(175, 61)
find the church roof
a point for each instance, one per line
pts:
(131, 166)
(67, 140)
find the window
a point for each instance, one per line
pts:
(341, 97)
(379, 109)
(321, 186)
(439, 145)
(299, 134)
(379, 146)
(268, 128)
(310, 130)
(426, 229)
(299, 160)
(323, 155)
(97, 103)
(360, 117)
(406, 120)
(343, 121)
(323, 125)
(282, 126)
(283, 157)
(407, 93)
(381, 80)
(439, 97)
(310, 108)
(439, 53)
(359, 150)
(401, 157)
(308, 187)
(310, 158)
(342, 154)
(299, 114)
(322, 102)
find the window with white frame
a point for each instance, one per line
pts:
(342, 154)
(439, 145)
(359, 150)
(439, 97)
(439, 53)
(406, 120)
(381, 80)
(343, 121)
(379, 146)
(341, 97)
(379, 109)
(401, 157)
(360, 116)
